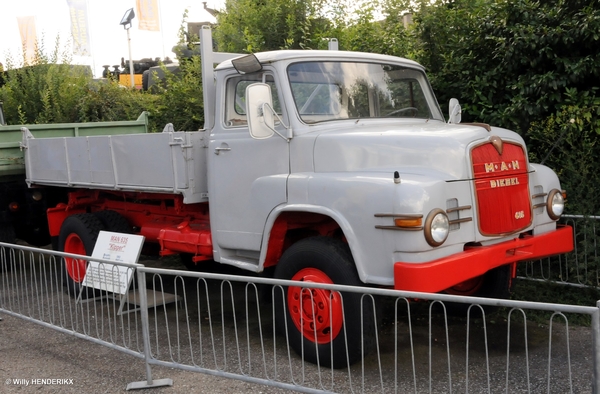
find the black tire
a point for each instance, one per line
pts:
(329, 260)
(78, 234)
(496, 283)
(114, 221)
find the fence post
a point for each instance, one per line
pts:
(143, 296)
(596, 348)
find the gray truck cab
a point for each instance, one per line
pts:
(359, 140)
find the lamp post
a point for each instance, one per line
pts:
(126, 23)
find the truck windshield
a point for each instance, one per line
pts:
(331, 90)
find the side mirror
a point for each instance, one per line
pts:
(454, 111)
(247, 64)
(260, 119)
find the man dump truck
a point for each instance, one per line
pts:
(23, 209)
(327, 166)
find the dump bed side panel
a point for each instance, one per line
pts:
(169, 162)
(11, 156)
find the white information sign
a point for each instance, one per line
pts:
(116, 247)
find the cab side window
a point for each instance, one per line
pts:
(235, 97)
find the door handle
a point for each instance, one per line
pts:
(221, 149)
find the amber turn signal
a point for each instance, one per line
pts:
(415, 222)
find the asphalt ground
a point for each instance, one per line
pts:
(30, 353)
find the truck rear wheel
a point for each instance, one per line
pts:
(114, 221)
(314, 320)
(78, 235)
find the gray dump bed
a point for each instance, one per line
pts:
(168, 162)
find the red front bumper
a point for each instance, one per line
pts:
(446, 272)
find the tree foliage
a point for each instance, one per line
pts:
(511, 62)
(529, 66)
(252, 26)
(179, 99)
(50, 90)
(43, 91)
(386, 34)
(567, 141)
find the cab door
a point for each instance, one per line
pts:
(247, 177)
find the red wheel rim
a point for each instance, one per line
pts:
(317, 313)
(75, 267)
(466, 288)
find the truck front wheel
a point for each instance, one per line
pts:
(493, 284)
(78, 235)
(315, 320)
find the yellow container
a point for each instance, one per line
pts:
(125, 80)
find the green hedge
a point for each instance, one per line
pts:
(52, 91)
(569, 142)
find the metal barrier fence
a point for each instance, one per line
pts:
(224, 325)
(578, 268)
(33, 287)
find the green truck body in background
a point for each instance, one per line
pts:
(23, 210)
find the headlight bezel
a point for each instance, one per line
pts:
(551, 202)
(435, 218)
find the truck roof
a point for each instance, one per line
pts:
(307, 55)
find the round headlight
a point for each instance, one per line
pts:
(436, 227)
(555, 205)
